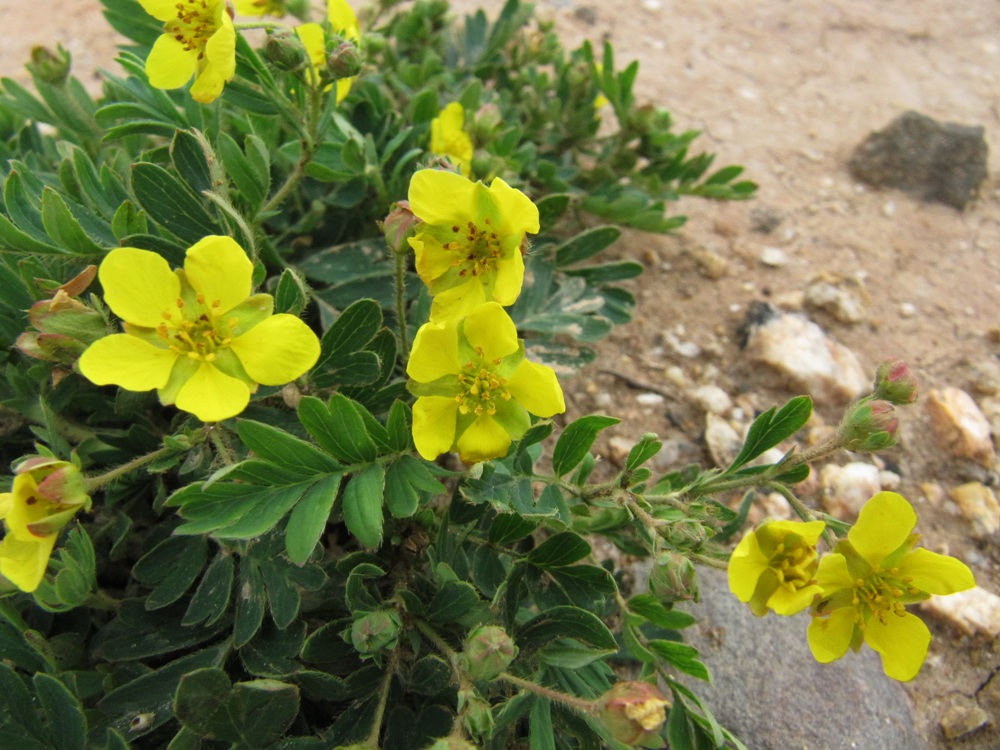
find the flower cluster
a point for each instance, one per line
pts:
(474, 387)
(47, 493)
(197, 335)
(858, 592)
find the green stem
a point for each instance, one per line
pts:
(404, 343)
(102, 600)
(383, 700)
(801, 510)
(95, 483)
(308, 146)
(220, 445)
(248, 25)
(581, 705)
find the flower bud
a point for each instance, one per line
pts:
(488, 652)
(64, 327)
(344, 61)
(895, 383)
(375, 631)
(634, 712)
(674, 579)
(485, 123)
(284, 50)
(477, 715)
(399, 226)
(869, 426)
(451, 743)
(48, 66)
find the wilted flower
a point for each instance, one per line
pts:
(47, 493)
(196, 335)
(868, 580)
(449, 138)
(198, 40)
(469, 244)
(474, 386)
(634, 712)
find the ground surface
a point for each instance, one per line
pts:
(786, 89)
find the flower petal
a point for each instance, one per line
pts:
(884, 524)
(537, 389)
(218, 268)
(161, 10)
(902, 642)
(509, 279)
(343, 19)
(789, 600)
(442, 198)
(277, 350)
(833, 573)
(830, 637)
(935, 573)
(482, 440)
(220, 50)
(435, 352)
(139, 286)
(746, 565)
(23, 563)
(489, 330)
(434, 425)
(518, 214)
(458, 301)
(127, 361)
(170, 65)
(211, 395)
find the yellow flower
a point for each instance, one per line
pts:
(198, 40)
(469, 244)
(197, 335)
(261, 7)
(47, 493)
(474, 387)
(448, 137)
(343, 22)
(774, 567)
(867, 581)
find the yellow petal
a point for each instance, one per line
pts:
(127, 361)
(6, 502)
(884, 523)
(434, 425)
(537, 389)
(830, 637)
(434, 353)
(343, 19)
(746, 565)
(23, 563)
(161, 10)
(277, 350)
(211, 395)
(139, 286)
(482, 440)
(934, 573)
(441, 198)
(430, 258)
(833, 573)
(344, 88)
(459, 301)
(902, 643)
(518, 214)
(170, 65)
(220, 50)
(808, 531)
(509, 279)
(313, 38)
(218, 268)
(489, 329)
(789, 600)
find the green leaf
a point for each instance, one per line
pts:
(284, 449)
(308, 518)
(564, 548)
(63, 227)
(551, 208)
(291, 294)
(586, 244)
(576, 440)
(681, 656)
(283, 596)
(648, 607)
(647, 447)
(540, 733)
(170, 203)
(128, 220)
(771, 428)
(510, 527)
(340, 429)
(250, 603)
(211, 598)
(405, 479)
(353, 328)
(452, 601)
(398, 427)
(565, 622)
(363, 505)
(250, 172)
(63, 713)
(19, 723)
(190, 161)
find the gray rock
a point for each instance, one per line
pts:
(772, 694)
(937, 162)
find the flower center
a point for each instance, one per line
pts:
(478, 248)
(194, 25)
(794, 566)
(199, 333)
(481, 387)
(879, 594)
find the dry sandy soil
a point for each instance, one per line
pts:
(786, 89)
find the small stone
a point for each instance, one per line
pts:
(934, 493)
(618, 449)
(974, 612)
(960, 427)
(940, 162)
(687, 349)
(797, 348)
(650, 399)
(844, 299)
(962, 718)
(889, 480)
(985, 377)
(774, 257)
(907, 310)
(712, 399)
(710, 264)
(587, 14)
(846, 488)
(764, 219)
(675, 375)
(723, 442)
(979, 505)
(775, 506)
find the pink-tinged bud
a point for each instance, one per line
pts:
(869, 426)
(399, 226)
(634, 713)
(895, 383)
(64, 327)
(375, 631)
(344, 61)
(673, 578)
(488, 652)
(284, 50)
